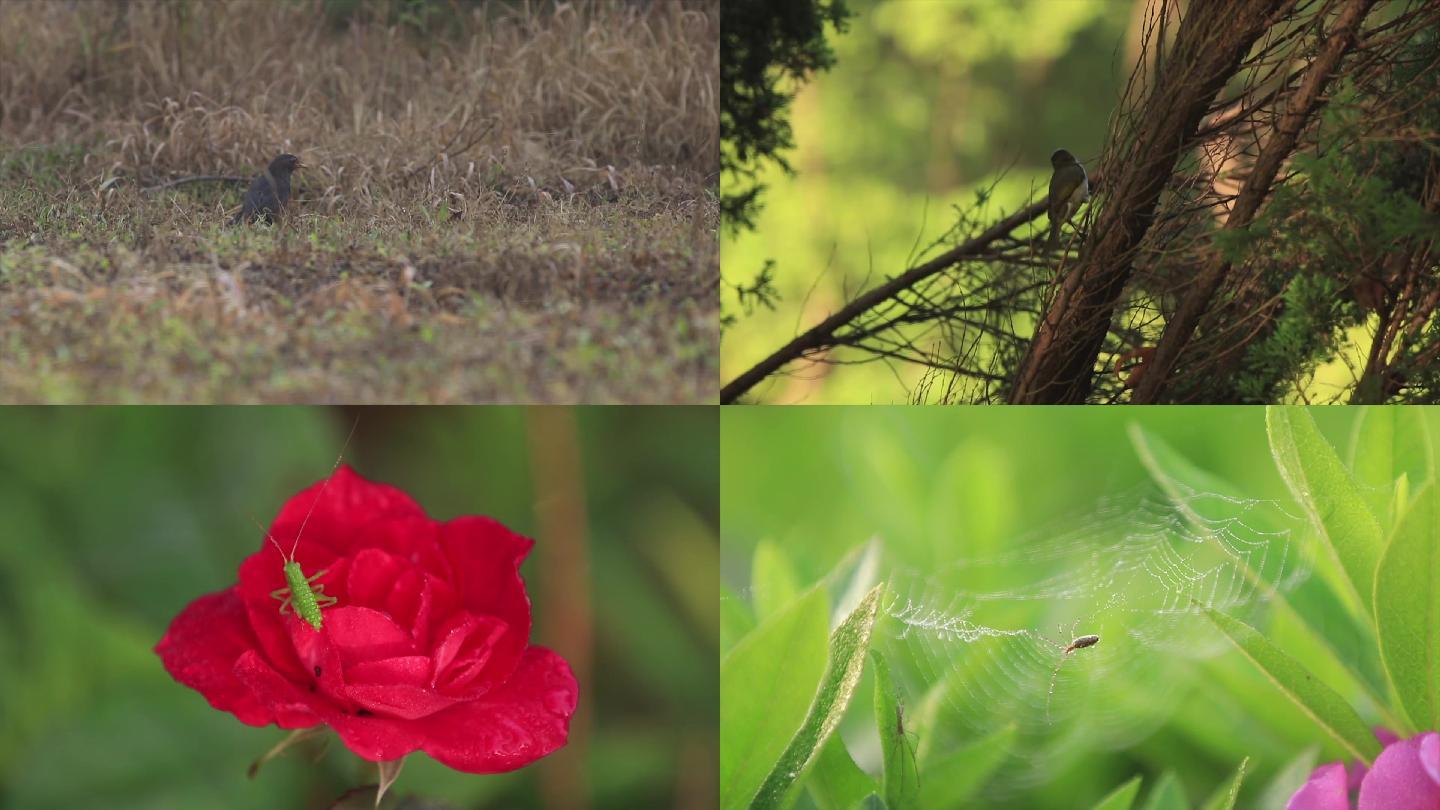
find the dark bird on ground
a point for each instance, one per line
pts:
(269, 191)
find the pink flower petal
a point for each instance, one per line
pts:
(1397, 780)
(1430, 755)
(1324, 791)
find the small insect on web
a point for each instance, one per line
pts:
(300, 595)
(1077, 643)
(907, 746)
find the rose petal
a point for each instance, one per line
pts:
(404, 595)
(345, 502)
(318, 655)
(378, 739)
(200, 650)
(511, 727)
(1397, 780)
(417, 613)
(467, 639)
(1324, 791)
(274, 636)
(362, 634)
(410, 670)
(487, 557)
(292, 706)
(335, 529)
(372, 576)
(404, 702)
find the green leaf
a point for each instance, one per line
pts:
(1290, 779)
(766, 685)
(1121, 798)
(848, 646)
(1332, 499)
(1317, 700)
(1338, 646)
(901, 773)
(1225, 796)
(950, 780)
(1166, 795)
(1407, 610)
(836, 782)
(1386, 443)
(773, 580)
(736, 620)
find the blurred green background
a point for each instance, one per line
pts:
(115, 518)
(935, 485)
(929, 102)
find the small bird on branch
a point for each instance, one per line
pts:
(1069, 189)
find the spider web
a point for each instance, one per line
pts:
(980, 643)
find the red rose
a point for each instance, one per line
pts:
(427, 648)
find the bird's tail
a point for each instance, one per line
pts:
(1054, 240)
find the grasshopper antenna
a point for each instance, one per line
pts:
(267, 534)
(321, 494)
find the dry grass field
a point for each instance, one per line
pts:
(503, 202)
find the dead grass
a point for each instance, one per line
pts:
(523, 212)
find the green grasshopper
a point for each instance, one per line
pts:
(299, 595)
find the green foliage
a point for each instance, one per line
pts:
(1321, 703)
(1122, 797)
(1407, 609)
(767, 48)
(1225, 796)
(927, 104)
(1305, 331)
(849, 646)
(900, 772)
(1330, 496)
(760, 293)
(928, 100)
(766, 684)
(821, 483)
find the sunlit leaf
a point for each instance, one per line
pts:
(1317, 700)
(1121, 798)
(766, 686)
(1407, 610)
(1166, 795)
(1332, 499)
(836, 782)
(848, 647)
(772, 579)
(1225, 796)
(951, 779)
